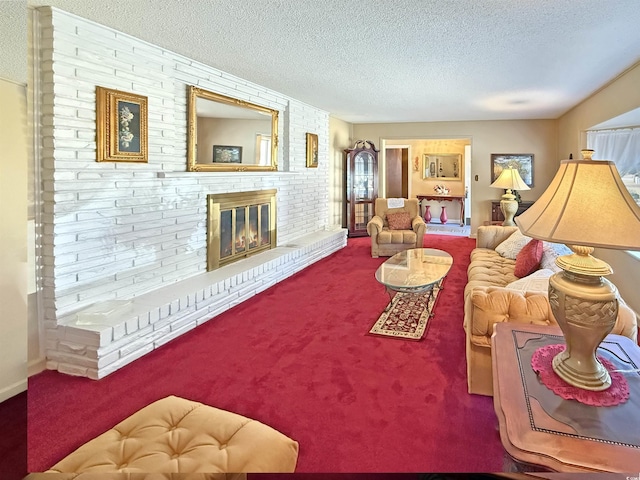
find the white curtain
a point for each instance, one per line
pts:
(620, 145)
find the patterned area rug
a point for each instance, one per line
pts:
(407, 316)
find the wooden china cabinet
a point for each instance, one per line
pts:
(361, 184)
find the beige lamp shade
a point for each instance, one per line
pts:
(585, 204)
(510, 179)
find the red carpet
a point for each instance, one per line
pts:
(298, 357)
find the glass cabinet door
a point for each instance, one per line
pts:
(362, 189)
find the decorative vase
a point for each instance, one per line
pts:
(427, 213)
(443, 215)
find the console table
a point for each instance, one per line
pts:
(445, 198)
(539, 428)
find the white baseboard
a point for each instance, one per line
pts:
(36, 366)
(13, 390)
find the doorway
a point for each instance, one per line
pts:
(397, 172)
(403, 168)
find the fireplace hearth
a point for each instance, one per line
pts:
(239, 225)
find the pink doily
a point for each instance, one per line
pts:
(616, 394)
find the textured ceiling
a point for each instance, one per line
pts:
(13, 41)
(401, 60)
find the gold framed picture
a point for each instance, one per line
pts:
(121, 126)
(312, 150)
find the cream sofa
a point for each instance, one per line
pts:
(488, 301)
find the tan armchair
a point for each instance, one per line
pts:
(385, 241)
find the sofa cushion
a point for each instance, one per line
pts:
(528, 259)
(399, 221)
(538, 281)
(487, 268)
(551, 251)
(387, 236)
(512, 245)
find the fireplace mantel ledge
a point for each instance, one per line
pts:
(136, 326)
(260, 174)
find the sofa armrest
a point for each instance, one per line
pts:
(486, 306)
(374, 226)
(418, 225)
(490, 236)
(627, 322)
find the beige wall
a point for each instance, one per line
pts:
(538, 137)
(13, 239)
(418, 148)
(340, 138)
(620, 96)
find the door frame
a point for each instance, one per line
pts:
(382, 165)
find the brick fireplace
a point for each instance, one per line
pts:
(124, 253)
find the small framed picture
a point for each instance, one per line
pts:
(227, 154)
(121, 126)
(312, 150)
(523, 162)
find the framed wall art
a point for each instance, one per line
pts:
(312, 150)
(523, 162)
(227, 154)
(121, 126)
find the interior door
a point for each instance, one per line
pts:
(396, 172)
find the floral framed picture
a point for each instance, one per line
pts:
(523, 162)
(312, 150)
(121, 126)
(227, 154)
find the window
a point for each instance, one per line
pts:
(263, 149)
(623, 147)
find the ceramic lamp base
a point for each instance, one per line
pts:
(586, 308)
(509, 208)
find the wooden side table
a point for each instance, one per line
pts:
(444, 198)
(539, 428)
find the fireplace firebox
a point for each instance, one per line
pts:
(239, 225)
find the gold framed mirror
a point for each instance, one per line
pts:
(446, 166)
(225, 134)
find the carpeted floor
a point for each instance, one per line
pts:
(297, 357)
(13, 441)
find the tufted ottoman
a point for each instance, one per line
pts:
(174, 435)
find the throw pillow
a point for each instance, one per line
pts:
(551, 251)
(528, 260)
(512, 245)
(538, 281)
(399, 221)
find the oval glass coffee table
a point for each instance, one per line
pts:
(414, 271)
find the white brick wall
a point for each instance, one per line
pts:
(119, 230)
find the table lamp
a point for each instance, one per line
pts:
(585, 206)
(509, 180)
